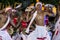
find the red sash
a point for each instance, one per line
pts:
(24, 24)
(15, 20)
(57, 32)
(41, 38)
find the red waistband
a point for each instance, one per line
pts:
(41, 38)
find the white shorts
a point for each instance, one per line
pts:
(4, 35)
(39, 32)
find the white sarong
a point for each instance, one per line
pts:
(57, 31)
(57, 37)
(4, 35)
(39, 32)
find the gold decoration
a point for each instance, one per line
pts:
(54, 10)
(16, 4)
(43, 7)
(32, 4)
(37, 0)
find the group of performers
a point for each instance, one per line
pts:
(30, 24)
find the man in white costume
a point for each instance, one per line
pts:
(40, 33)
(3, 31)
(57, 30)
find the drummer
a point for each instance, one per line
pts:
(4, 21)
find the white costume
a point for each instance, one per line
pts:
(39, 33)
(57, 31)
(23, 36)
(19, 36)
(3, 33)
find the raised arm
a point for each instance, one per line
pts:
(49, 14)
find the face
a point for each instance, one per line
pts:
(46, 9)
(9, 11)
(13, 14)
(38, 7)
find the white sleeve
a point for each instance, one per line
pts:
(57, 23)
(7, 36)
(23, 36)
(47, 36)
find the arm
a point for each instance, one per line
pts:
(54, 34)
(56, 29)
(11, 22)
(18, 22)
(34, 15)
(30, 17)
(6, 23)
(50, 14)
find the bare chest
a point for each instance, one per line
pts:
(2, 20)
(40, 19)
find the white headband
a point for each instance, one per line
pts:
(38, 3)
(13, 10)
(29, 8)
(7, 9)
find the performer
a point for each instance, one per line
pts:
(14, 19)
(40, 32)
(4, 21)
(24, 20)
(57, 30)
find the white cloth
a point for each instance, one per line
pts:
(38, 3)
(4, 35)
(39, 32)
(17, 36)
(57, 37)
(34, 15)
(57, 27)
(23, 36)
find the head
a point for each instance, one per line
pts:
(29, 8)
(38, 6)
(14, 13)
(8, 10)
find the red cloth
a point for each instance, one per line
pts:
(8, 26)
(24, 24)
(46, 21)
(15, 20)
(57, 33)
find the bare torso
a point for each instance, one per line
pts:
(40, 18)
(3, 19)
